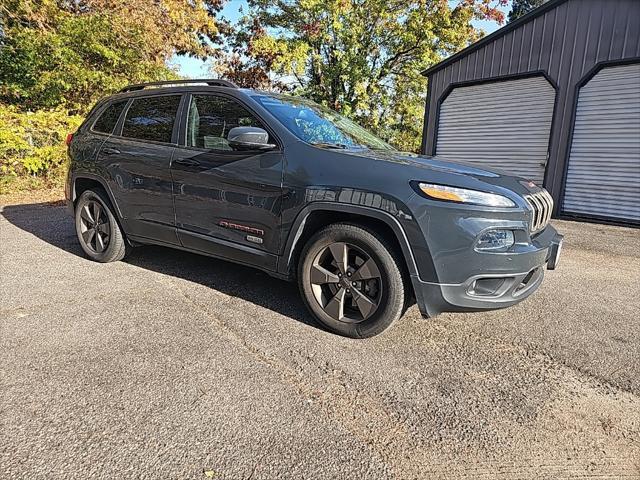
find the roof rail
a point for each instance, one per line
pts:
(212, 82)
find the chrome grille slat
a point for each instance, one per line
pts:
(550, 200)
(545, 210)
(550, 204)
(541, 204)
(538, 213)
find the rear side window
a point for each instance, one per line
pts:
(151, 118)
(109, 117)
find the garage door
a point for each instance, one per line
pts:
(504, 125)
(603, 176)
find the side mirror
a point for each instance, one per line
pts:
(249, 138)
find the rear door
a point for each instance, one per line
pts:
(227, 201)
(138, 158)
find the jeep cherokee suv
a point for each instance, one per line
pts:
(292, 188)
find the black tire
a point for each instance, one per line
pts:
(101, 238)
(341, 309)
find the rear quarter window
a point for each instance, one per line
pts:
(151, 118)
(108, 119)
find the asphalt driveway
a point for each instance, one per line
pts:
(169, 365)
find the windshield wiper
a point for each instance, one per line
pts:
(341, 146)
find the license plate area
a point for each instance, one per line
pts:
(554, 254)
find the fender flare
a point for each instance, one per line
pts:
(284, 263)
(101, 181)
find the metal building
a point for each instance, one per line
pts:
(555, 97)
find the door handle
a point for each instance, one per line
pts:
(187, 162)
(110, 151)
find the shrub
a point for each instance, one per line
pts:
(32, 143)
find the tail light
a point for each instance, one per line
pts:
(68, 139)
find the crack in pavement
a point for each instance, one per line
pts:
(367, 418)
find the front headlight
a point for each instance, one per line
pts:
(462, 195)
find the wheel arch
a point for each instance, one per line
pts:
(319, 214)
(85, 181)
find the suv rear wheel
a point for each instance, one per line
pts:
(350, 280)
(97, 229)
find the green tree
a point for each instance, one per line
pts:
(360, 57)
(69, 53)
(522, 7)
(57, 57)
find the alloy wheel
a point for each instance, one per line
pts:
(94, 226)
(346, 282)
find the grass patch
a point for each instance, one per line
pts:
(13, 184)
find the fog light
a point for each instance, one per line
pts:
(495, 241)
(485, 287)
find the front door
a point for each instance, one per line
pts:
(227, 201)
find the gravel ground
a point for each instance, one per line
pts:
(174, 366)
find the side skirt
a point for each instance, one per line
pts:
(221, 250)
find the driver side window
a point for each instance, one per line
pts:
(211, 118)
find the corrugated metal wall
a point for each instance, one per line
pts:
(565, 42)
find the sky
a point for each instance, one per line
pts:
(196, 68)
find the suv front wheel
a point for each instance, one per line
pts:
(350, 279)
(97, 228)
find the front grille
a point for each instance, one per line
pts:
(542, 205)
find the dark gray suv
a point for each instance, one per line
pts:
(292, 188)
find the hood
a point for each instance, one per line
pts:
(426, 168)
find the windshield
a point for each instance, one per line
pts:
(319, 125)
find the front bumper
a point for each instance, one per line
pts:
(510, 279)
